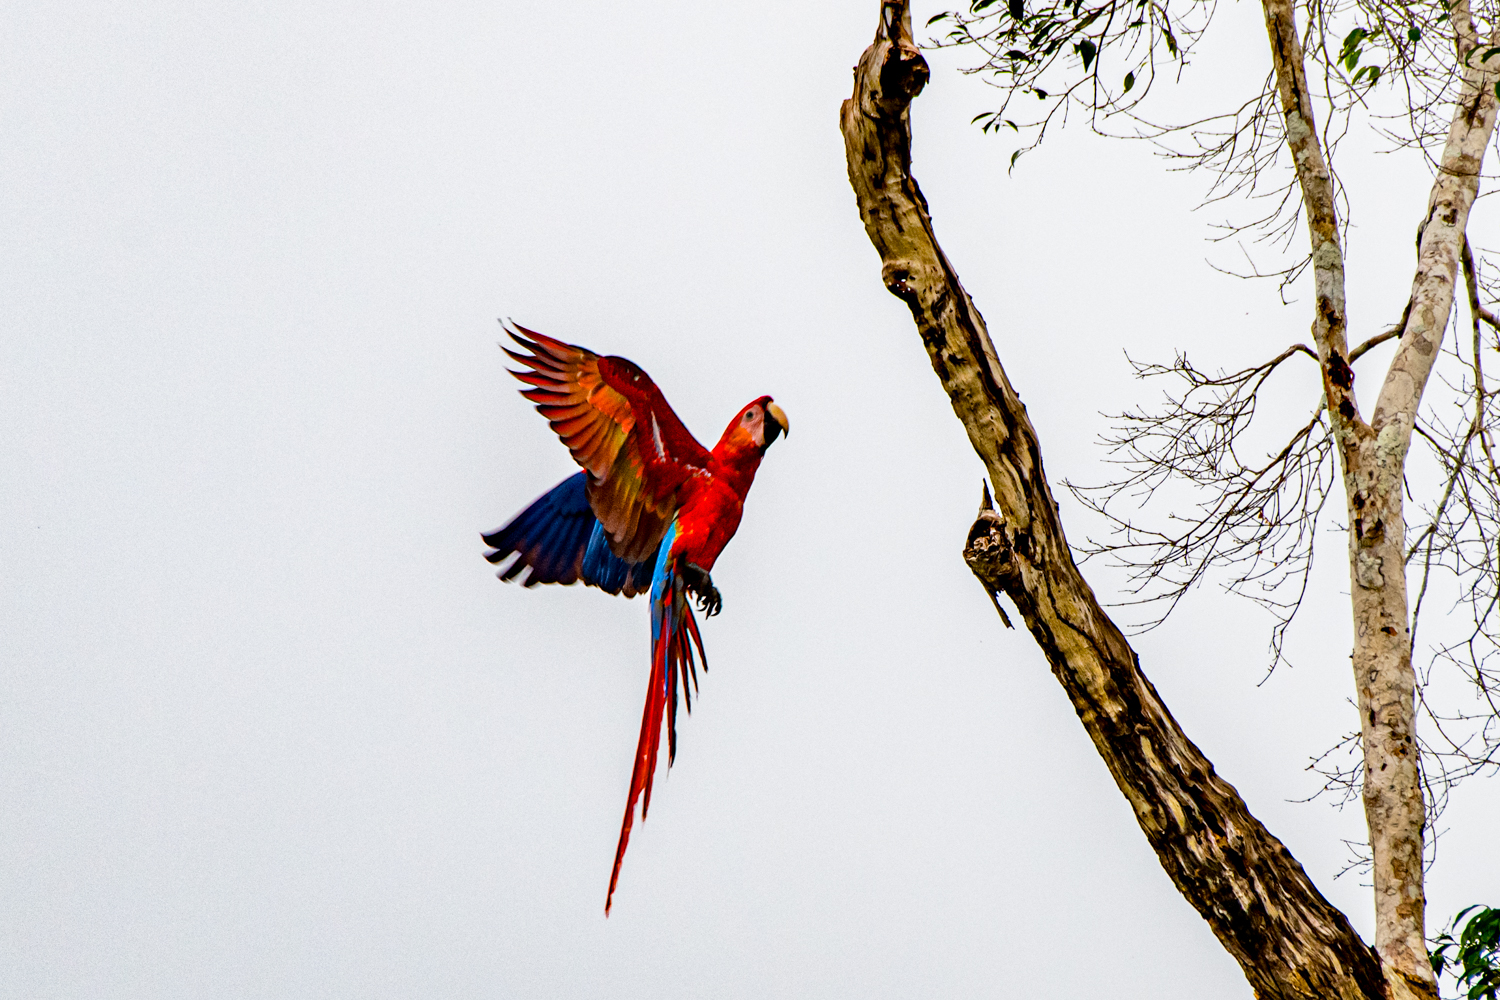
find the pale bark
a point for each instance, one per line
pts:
(1372, 459)
(1287, 938)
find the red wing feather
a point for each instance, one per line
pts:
(590, 417)
(619, 427)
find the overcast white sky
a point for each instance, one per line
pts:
(270, 728)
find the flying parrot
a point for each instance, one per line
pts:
(652, 507)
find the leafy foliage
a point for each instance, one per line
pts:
(1475, 962)
(1055, 52)
(1102, 58)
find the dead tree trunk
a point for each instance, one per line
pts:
(1288, 939)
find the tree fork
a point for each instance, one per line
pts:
(1373, 460)
(1289, 941)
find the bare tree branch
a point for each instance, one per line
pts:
(1257, 519)
(1378, 339)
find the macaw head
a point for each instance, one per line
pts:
(756, 426)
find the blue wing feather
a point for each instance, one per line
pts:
(559, 540)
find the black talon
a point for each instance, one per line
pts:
(701, 586)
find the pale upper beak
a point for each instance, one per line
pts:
(778, 418)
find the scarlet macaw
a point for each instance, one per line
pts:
(651, 506)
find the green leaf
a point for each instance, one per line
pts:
(934, 19)
(1349, 53)
(1413, 35)
(1086, 51)
(1130, 82)
(1041, 94)
(1013, 157)
(1171, 40)
(1017, 9)
(1483, 930)
(1476, 965)
(1013, 126)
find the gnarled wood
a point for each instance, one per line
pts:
(1288, 939)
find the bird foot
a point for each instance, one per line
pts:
(701, 586)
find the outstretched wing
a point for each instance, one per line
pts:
(620, 429)
(560, 541)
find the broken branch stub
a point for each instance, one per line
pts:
(989, 557)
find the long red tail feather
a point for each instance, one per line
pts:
(671, 657)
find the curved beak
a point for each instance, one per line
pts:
(779, 423)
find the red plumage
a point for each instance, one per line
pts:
(648, 481)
